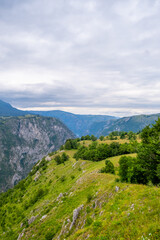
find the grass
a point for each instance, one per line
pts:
(130, 213)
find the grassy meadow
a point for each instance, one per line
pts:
(110, 210)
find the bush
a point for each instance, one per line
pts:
(109, 167)
(89, 221)
(38, 195)
(49, 235)
(61, 159)
(89, 197)
(71, 144)
(62, 178)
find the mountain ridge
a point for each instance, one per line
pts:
(78, 123)
(23, 141)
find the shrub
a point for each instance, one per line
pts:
(89, 197)
(49, 235)
(89, 221)
(101, 138)
(109, 167)
(38, 195)
(58, 159)
(61, 159)
(62, 178)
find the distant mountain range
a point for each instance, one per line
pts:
(6, 110)
(79, 124)
(82, 125)
(133, 123)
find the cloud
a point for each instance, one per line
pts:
(81, 55)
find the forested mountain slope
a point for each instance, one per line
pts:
(133, 123)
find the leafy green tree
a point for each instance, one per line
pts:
(93, 138)
(64, 157)
(131, 135)
(146, 167)
(101, 138)
(68, 145)
(126, 168)
(87, 137)
(58, 159)
(109, 167)
(122, 135)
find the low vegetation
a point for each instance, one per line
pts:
(86, 191)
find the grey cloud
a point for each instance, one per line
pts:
(105, 53)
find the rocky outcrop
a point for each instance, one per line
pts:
(24, 141)
(75, 215)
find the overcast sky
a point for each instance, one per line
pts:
(82, 56)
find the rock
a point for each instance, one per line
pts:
(83, 163)
(21, 225)
(37, 176)
(32, 138)
(60, 196)
(74, 165)
(117, 189)
(65, 228)
(75, 215)
(32, 219)
(48, 158)
(43, 217)
(21, 234)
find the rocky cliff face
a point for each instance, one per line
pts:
(24, 141)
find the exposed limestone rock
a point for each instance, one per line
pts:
(37, 176)
(43, 217)
(21, 234)
(74, 165)
(65, 228)
(75, 215)
(117, 189)
(60, 196)
(26, 140)
(32, 219)
(21, 225)
(48, 158)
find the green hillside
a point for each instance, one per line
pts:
(74, 201)
(132, 123)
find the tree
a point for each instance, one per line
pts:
(68, 145)
(93, 138)
(146, 167)
(64, 157)
(122, 135)
(131, 135)
(109, 167)
(149, 153)
(58, 159)
(101, 138)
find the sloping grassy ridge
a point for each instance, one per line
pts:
(106, 209)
